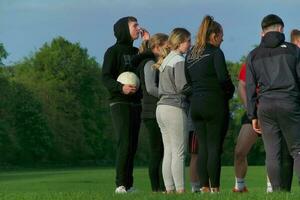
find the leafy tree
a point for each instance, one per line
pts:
(67, 82)
(3, 53)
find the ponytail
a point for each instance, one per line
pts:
(164, 52)
(207, 27)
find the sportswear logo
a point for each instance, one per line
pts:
(195, 60)
(127, 62)
(283, 46)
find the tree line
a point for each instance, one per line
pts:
(54, 111)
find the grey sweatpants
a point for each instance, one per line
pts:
(173, 125)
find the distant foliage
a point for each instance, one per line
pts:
(56, 101)
(3, 53)
(54, 110)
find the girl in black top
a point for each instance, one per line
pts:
(207, 74)
(149, 84)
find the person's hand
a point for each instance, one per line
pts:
(256, 126)
(145, 35)
(128, 89)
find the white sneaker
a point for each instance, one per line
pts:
(132, 190)
(269, 189)
(120, 190)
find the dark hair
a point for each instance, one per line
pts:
(131, 19)
(270, 20)
(207, 27)
(295, 33)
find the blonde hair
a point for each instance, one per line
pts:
(207, 27)
(157, 39)
(177, 36)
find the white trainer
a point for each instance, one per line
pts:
(120, 190)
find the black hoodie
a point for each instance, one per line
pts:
(118, 59)
(273, 72)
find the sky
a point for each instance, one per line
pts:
(25, 25)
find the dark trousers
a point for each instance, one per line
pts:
(156, 154)
(287, 161)
(280, 123)
(126, 122)
(210, 116)
(287, 165)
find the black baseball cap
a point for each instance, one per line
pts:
(271, 20)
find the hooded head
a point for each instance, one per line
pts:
(122, 31)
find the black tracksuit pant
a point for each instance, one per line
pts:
(280, 120)
(210, 115)
(156, 154)
(126, 122)
(287, 165)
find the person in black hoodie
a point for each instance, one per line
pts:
(124, 99)
(207, 74)
(274, 68)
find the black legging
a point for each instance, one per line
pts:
(156, 154)
(210, 116)
(126, 122)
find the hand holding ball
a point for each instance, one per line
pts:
(130, 82)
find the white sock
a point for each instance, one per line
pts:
(269, 187)
(240, 183)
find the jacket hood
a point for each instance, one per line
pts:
(172, 58)
(121, 31)
(272, 39)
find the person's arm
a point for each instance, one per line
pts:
(150, 75)
(251, 85)
(108, 67)
(298, 65)
(222, 73)
(242, 92)
(188, 87)
(180, 79)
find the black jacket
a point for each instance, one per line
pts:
(118, 59)
(273, 72)
(149, 102)
(208, 73)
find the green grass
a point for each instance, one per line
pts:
(98, 183)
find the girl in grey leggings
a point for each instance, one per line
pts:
(171, 110)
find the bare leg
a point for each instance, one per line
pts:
(246, 139)
(194, 178)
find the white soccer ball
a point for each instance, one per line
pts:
(129, 78)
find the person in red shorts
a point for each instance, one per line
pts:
(246, 139)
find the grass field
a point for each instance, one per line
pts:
(98, 183)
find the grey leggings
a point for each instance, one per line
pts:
(172, 122)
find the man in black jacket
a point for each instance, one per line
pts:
(273, 95)
(124, 99)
